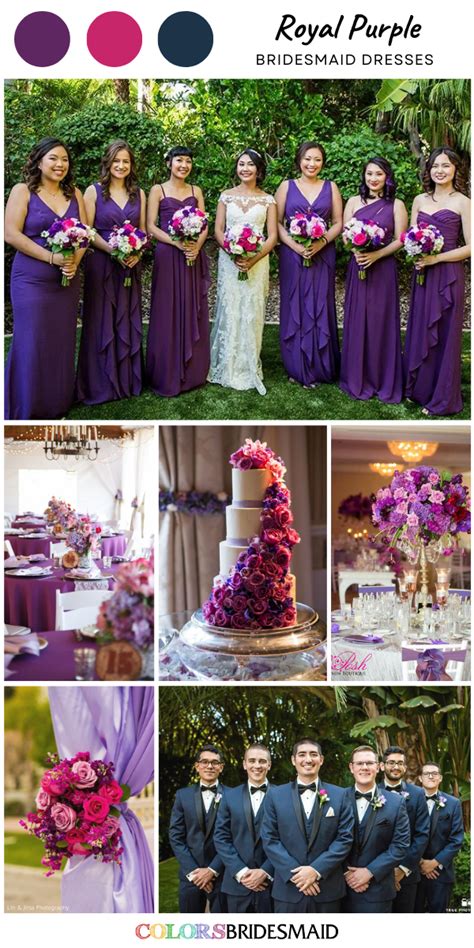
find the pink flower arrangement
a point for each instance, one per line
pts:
(419, 241)
(76, 811)
(83, 535)
(127, 241)
(363, 235)
(129, 613)
(187, 224)
(304, 229)
(255, 454)
(67, 236)
(243, 240)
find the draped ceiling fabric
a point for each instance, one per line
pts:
(115, 724)
(196, 458)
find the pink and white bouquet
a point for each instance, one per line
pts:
(77, 811)
(129, 613)
(363, 235)
(187, 224)
(419, 241)
(67, 236)
(243, 240)
(304, 229)
(127, 241)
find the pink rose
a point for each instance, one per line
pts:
(54, 782)
(359, 239)
(254, 561)
(96, 808)
(272, 536)
(64, 817)
(272, 570)
(110, 826)
(282, 516)
(256, 579)
(258, 606)
(239, 602)
(239, 621)
(220, 618)
(42, 799)
(111, 791)
(236, 580)
(244, 464)
(280, 594)
(84, 775)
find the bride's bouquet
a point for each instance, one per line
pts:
(419, 241)
(363, 235)
(244, 240)
(76, 812)
(127, 241)
(67, 236)
(187, 224)
(304, 228)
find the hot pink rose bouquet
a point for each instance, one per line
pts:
(67, 236)
(420, 241)
(242, 241)
(127, 241)
(305, 228)
(363, 235)
(187, 224)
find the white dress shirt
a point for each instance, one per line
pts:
(362, 803)
(208, 798)
(308, 798)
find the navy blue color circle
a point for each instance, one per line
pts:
(185, 39)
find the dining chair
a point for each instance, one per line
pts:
(76, 609)
(455, 653)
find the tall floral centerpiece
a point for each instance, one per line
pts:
(83, 537)
(422, 512)
(129, 613)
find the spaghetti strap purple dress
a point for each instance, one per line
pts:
(39, 380)
(308, 330)
(371, 348)
(432, 357)
(178, 338)
(110, 356)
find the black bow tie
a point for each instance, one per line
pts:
(398, 787)
(431, 796)
(262, 789)
(366, 796)
(303, 787)
(213, 789)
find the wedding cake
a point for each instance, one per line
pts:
(255, 589)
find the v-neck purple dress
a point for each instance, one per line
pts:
(39, 380)
(371, 348)
(110, 356)
(432, 357)
(177, 357)
(308, 329)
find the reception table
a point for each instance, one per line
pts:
(54, 663)
(27, 545)
(349, 576)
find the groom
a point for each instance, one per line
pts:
(307, 834)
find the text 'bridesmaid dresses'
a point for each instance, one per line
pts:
(432, 357)
(40, 370)
(308, 329)
(110, 357)
(371, 348)
(178, 338)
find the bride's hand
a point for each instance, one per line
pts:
(245, 263)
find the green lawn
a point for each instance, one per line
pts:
(283, 400)
(168, 886)
(23, 850)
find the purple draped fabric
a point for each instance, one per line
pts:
(113, 724)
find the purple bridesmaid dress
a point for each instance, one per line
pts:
(110, 356)
(371, 361)
(178, 338)
(308, 329)
(39, 380)
(432, 357)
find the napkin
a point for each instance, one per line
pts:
(13, 646)
(12, 562)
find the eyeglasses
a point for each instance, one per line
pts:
(394, 763)
(430, 773)
(209, 763)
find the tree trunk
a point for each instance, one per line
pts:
(122, 90)
(144, 95)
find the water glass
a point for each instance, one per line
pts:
(84, 664)
(107, 561)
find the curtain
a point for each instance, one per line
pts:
(114, 724)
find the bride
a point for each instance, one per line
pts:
(236, 338)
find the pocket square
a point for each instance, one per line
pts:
(330, 812)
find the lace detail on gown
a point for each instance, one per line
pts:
(236, 338)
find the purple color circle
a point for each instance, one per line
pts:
(42, 39)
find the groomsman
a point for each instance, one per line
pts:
(381, 838)
(307, 833)
(191, 835)
(407, 876)
(237, 837)
(445, 840)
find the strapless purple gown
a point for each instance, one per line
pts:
(371, 361)
(39, 380)
(178, 338)
(308, 330)
(110, 356)
(432, 357)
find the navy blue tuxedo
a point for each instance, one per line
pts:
(291, 840)
(381, 843)
(418, 819)
(445, 840)
(191, 834)
(237, 838)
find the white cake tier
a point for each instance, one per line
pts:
(228, 556)
(249, 485)
(242, 523)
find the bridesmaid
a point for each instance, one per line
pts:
(178, 337)
(432, 357)
(308, 329)
(40, 370)
(371, 349)
(110, 356)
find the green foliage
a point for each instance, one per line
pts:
(27, 711)
(350, 148)
(384, 721)
(462, 885)
(438, 111)
(14, 808)
(21, 849)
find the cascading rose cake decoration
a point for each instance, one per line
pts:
(255, 590)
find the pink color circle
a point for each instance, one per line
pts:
(114, 39)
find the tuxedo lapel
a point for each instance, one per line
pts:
(368, 823)
(199, 807)
(297, 807)
(434, 820)
(248, 810)
(212, 813)
(317, 815)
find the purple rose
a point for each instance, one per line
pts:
(239, 621)
(110, 826)
(258, 606)
(64, 817)
(236, 580)
(244, 464)
(84, 775)
(42, 799)
(256, 579)
(220, 617)
(239, 602)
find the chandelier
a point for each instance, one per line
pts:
(78, 442)
(385, 469)
(412, 451)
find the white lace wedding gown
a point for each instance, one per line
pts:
(236, 338)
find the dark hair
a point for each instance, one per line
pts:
(303, 148)
(431, 763)
(459, 182)
(393, 749)
(257, 747)
(390, 186)
(32, 173)
(208, 748)
(258, 161)
(131, 182)
(177, 152)
(305, 740)
(363, 747)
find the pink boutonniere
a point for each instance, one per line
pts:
(323, 797)
(404, 794)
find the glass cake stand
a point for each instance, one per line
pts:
(190, 649)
